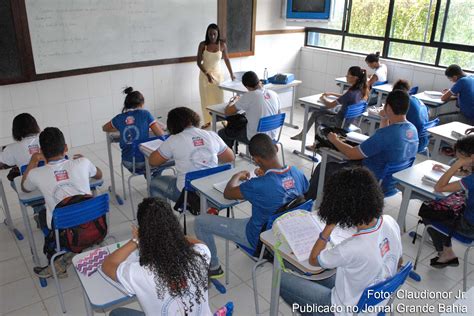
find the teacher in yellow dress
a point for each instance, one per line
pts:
(210, 53)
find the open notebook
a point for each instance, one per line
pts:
(300, 230)
(432, 177)
(220, 186)
(151, 146)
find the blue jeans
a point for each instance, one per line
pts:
(123, 311)
(164, 187)
(139, 166)
(206, 226)
(302, 292)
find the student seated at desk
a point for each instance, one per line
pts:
(417, 113)
(166, 270)
(353, 199)
(25, 131)
(463, 89)
(58, 180)
(464, 223)
(395, 141)
(357, 78)
(380, 75)
(133, 124)
(190, 147)
(258, 102)
(275, 186)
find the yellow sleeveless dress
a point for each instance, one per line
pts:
(210, 92)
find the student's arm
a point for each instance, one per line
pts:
(352, 153)
(320, 244)
(373, 79)
(226, 156)
(156, 159)
(227, 61)
(108, 127)
(446, 96)
(156, 129)
(35, 159)
(334, 94)
(231, 109)
(328, 104)
(443, 184)
(232, 189)
(112, 261)
(98, 174)
(384, 121)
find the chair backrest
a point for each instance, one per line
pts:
(271, 122)
(385, 288)
(355, 110)
(426, 126)
(413, 90)
(137, 154)
(306, 206)
(193, 175)
(23, 168)
(379, 83)
(394, 167)
(80, 213)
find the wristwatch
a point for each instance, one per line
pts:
(136, 241)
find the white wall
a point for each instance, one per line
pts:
(319, 68)
(79, 105)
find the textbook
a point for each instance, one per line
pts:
(433, 176)
(151, 146)
(356, 137)
(220, 186)
(300, 230)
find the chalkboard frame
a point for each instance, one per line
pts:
(28, 72)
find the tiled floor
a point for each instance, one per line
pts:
(21, 294)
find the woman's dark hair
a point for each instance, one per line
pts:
(361, 83)
(212, 26)
(52, 142)
(181, 118)
(133, 99)
(465, 145)
(164, 250)
(454, 70)
(24, 125)
(372, 58)
(402, 85)
(351, 197)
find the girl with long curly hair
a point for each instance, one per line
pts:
(166, 270)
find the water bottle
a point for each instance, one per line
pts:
(225, 310)
(265, 74)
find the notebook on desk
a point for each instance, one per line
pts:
(433, 176)
(220, 186)
(151, 146)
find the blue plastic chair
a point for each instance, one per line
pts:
(389, 286)
(424, 133)
(468, 242)
(259, 261)
(413, 90)
(23, 168)
(72, 216)
(379, 83)
(138, 155)
(389, 170)
(198, 174)
(270, 123)
(354, 111)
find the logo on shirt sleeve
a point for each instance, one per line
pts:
(198, 141)
(409, 134)
(384, 247)
(266, 96)
(61, 175)
(130, 120)
(33, 149)
(288, 183)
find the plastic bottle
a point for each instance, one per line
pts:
(265, 74)
(225, 310)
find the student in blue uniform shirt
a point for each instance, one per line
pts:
(464, 224)
(274, 186)
(463, 88)
(395, 141)
(417, 113)
(133, 124)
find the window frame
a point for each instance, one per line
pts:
(387, 40)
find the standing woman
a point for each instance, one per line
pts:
(210, 53)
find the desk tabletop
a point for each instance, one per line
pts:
(237, 86)
(342, 80)
(385, 88)
(218, 109)
(422, 96)
(312, 101)
(445, 130)
(206, 185)
(101, 293)
(412, 178)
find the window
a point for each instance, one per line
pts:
(434, 32)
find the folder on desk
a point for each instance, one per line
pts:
(433, 176)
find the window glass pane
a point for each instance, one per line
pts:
(413, 20)
(369, 17)
(362, 45)
(459, 26)
(335, 19)
(412, 52)
(324, 40)
(463, 59)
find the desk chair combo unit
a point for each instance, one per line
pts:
(8, 218)
(424, 133)
(354, 112)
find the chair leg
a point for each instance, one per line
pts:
(56, 280)
(282, 154)
(464, 279)
(257, 264)
(423, 237)
(131, 197)
(227, 262)
(123, 183)
(184, 223)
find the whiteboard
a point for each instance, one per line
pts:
(77, 34)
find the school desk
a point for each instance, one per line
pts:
(217, 112)
(382, 90)
(6, 210)
(444, 133)
(286, 92)
(342, 83)
(113, 137)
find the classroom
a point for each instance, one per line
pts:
(236, 157)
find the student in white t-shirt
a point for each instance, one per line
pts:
(60, 178)
(190, 147)
(258, 102)
(166, 270)
(380, 75)
(352, 198)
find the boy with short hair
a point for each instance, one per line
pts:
(59, 179)
(463, 88)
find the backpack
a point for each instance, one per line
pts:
(78, 238)
(235, 123)
(445, 209)
(321, 137)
